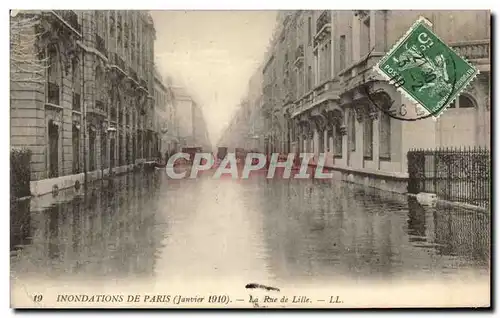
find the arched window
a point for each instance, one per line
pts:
(53, 76)
(465, 102)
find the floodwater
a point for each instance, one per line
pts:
(281, 232)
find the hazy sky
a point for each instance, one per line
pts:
(213, 54)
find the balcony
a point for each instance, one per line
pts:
(100, 45)
(144, 83)
(76, 102)
(53, 94)
(69, 18)
(303, 103)
(326, 91)
(473, 50)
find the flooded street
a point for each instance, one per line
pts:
(146, 228)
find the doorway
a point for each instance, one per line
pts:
(53, 149)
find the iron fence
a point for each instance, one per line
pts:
(459, 175)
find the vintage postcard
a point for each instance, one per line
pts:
(250, 159)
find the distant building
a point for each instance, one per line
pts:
(247, 128)
(191, 125)
(165, 115)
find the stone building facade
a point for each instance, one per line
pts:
(319, 64)
(93, 108)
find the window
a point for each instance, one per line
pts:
(309, 78)
(368, 138)
(465, 102)
(125, 40)
(76, 148)
(127, 149)
(119, 29)
(321, 63)
(99, 79)
(385, 136)
(112, 24)
(324, 61)
(76, 85)
(365, 35)
(309, 30)
(338, 141)
(121, 157)
(300, 80)
(328, 57)
(342, 53)
(105, 25)
(92, 152)
(53, 77)
(352, 130)
(97, 22)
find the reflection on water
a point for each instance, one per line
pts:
(147, 226)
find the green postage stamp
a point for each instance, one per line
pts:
(425, 69)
